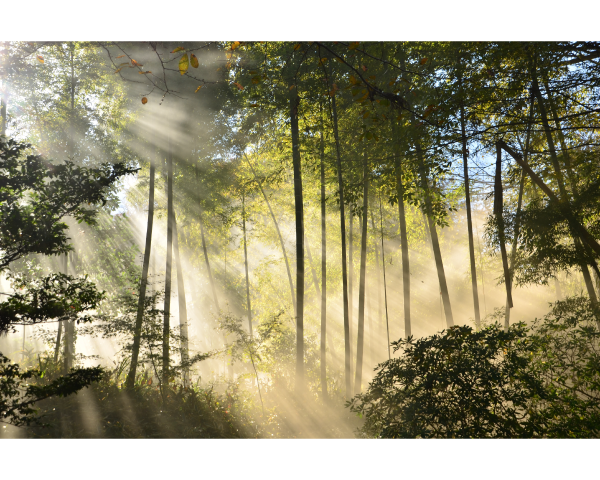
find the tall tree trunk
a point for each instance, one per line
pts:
(498, 213)
(312, 268)
(517, 218)
(387, 322)
(562, 190)
(347, 356)
(432, 230)
(378, 273)
(350, 275)
(248, 306)
(361, 288)
(69, 325)
(183, 318)
(287, 264)
(69, 330)
(469, 217)
(435, 244)
(299, 213)
(143, 284)
(204, 250)
(403, 236)
(169, 261)
(323, 269)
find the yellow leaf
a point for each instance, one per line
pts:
(253, 105)
(40, 58)
(339, 59)
(238, 85)
(120, 56)
(297, 46)
(178, 49)
(353, 45)
(292, 87)
(144, 100)
(194, 60)
(133, 62)
(423, 61)
(183, 64)
(198, 89)
(252, 72)
(255, 80)
(366, 114)
(235, 45)
(144, 73)
(118, 70)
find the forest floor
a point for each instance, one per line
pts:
(105, 410)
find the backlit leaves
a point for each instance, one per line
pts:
(184, 63)
(178, 49)
(144, 100)
(193, 60)
(40, 58)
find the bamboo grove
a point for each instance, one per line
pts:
(290, 211)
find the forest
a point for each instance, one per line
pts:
(299, 239)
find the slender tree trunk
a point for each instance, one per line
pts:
(350, 275)
(517, 218)
(387, 323)
(378, 273)
(143, 284)
(498, 207)
(312, 268)
(204, 250)
(323, 270)
(287, 264)
(299, 213)
(169, 261)
(248, 306)
(69, 325)
(435, 244)
(469, 217)
(347, 355)
(361, 288)
(183, 318)
(69, 330)
(513, 251)
(403, 237)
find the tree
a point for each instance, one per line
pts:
(36, 195)
(459, 384)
